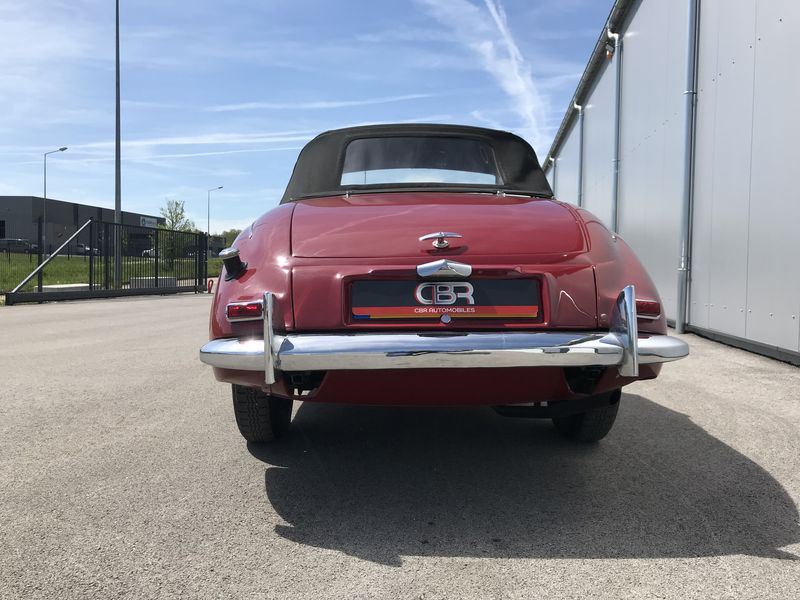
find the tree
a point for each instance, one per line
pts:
(230, 235)
(172, 246)
(174, 213)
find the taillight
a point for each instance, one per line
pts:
(648, 309)
(245, 311)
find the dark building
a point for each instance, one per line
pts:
(19, 217)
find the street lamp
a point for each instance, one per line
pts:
(208, 223)
(117, 172)
(44, 200)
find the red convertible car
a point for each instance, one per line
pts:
(431, 265)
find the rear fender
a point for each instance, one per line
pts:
(266, 247)
(616, 266)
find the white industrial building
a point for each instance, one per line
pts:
(684, 136)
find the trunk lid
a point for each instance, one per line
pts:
(390, 225)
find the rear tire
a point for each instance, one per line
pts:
(260, 416)
(592, 425)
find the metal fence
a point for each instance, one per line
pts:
(18, 257)
(100, 260)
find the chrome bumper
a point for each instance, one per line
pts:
(620, 347)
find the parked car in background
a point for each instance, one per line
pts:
(431, 265)
(86, 250)
(149, 253)
(17, 245)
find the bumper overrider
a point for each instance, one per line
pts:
(619, 347)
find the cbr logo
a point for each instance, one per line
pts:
(444, 293)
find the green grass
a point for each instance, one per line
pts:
(15, 267)
(62, 269)
(214, 266)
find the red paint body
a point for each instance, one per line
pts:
(308, 252)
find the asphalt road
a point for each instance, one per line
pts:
(122, 475)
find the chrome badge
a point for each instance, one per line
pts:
(444, 293)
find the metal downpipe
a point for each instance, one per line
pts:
(690, 97)
(617, 40)
(579, 108)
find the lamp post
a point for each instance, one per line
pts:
(44, 200)
(208, 223)
(117, 172)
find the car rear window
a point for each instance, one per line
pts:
(428, 159)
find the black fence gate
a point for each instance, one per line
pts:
(102, 260)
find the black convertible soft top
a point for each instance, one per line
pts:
(319, 167)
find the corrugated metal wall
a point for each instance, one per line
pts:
(745, 265)
(651, 139)
(598, 130)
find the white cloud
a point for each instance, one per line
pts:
(145, 146)
(317, 104)
(224, 152)
(485, 31)
(405, 34)
(485, 118)
(199, 140)
(152, 105)
(150, 157)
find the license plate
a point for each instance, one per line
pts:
(476, 299)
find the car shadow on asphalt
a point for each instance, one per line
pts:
(383, 482)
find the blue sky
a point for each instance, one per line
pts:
(226, 92)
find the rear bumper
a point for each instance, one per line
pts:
(431, 351)
(621, 347)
